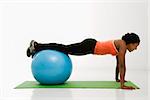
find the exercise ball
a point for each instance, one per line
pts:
(51, 67)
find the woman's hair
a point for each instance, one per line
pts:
(131, 38)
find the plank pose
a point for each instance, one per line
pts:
(118, 48)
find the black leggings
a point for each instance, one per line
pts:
(85, 47)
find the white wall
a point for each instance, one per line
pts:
(70, 22)
(148, 34)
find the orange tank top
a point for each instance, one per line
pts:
(105, 47)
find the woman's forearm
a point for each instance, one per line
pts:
(117, 73)
(122, 74)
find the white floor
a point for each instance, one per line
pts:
(139, 77)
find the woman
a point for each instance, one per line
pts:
(118, 48)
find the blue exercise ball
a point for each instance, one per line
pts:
(51, 67)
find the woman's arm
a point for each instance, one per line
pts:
(122, 66)
(117, 70)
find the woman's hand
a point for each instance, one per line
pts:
(127, 87)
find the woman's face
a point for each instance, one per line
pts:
(132, 46)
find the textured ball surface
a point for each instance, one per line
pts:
(51, 67)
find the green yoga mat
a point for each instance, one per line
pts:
(76, 84)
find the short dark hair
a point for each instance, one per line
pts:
(131, 38)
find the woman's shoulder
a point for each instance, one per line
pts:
(119, 43)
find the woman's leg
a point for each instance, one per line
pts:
(85, 47)
(51, 46)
